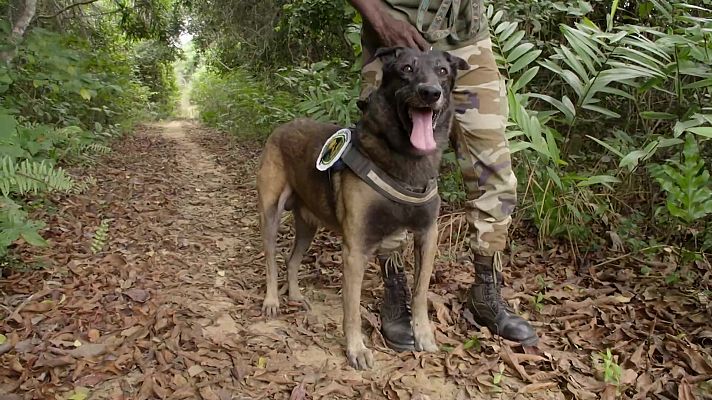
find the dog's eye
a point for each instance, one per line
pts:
(407, 68)
(442, 71)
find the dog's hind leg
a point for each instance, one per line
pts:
(425, 248)
(303, 236)
(273, 193)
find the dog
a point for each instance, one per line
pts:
(403, 131)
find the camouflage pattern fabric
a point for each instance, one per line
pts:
(445, 23)
(479, 141)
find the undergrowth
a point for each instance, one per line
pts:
(69, 83)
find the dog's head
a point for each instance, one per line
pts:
(417, 88)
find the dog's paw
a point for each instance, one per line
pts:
(270, 307)
(425, 340)
(360, 358)
(299, 300)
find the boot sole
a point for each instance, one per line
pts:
(530, 341)
(399, 347)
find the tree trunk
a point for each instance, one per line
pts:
(22, 21)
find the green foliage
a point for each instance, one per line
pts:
(153, 63)
(101, 236)
(610, 368)
(472, 343)
(240, 103)
(643, 84)
(326, 90)
(28, 168)
(686, 183)
(31, 177)
(245, 104)
(75, 80)
(56, 81)
(450, 184)
(538, 301)
(497, 379)
(270, 34)
(15, 224)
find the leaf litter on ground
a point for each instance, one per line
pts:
(170, 307)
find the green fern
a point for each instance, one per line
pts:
(95, 148)
(32, 177)
(101, 236)
(83, 185)
(687, 184)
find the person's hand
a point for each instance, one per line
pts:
(394, 32)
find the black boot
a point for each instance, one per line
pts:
(490, 310)
(395, 310)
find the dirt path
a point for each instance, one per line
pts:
(170, 308)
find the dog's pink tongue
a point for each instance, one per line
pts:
(422, 135)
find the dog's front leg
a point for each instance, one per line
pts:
(355, 259)
(425, 248)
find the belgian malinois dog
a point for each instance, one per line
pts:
(404, 129)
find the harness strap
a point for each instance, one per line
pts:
(381, 182)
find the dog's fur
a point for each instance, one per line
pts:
(340, 201)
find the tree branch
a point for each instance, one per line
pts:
(67, 8)
(18, 29)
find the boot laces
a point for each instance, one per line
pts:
(493, 297)
(397, 292)
(490, 279)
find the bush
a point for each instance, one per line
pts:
(634, 91)
(239, 103)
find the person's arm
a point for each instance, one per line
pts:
(392, 32)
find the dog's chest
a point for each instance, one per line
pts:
(385, 217)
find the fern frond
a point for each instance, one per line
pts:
(101, 236)
(32, 177)
(96, 148)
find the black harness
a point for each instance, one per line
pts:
(380, 181)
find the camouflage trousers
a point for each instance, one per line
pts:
(479, 141)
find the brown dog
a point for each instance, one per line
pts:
(403, 131)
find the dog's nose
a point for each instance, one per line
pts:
(430, 94)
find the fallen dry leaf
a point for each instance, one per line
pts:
(138, 295)
(335, 388)
(93, 335)
(116, 260)
(299, 392)
(684, 391)
(88, 350)
(195, 370)
(610, 393)
(207, 393)
(535, 387)
(53, 361)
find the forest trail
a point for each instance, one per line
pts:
(170, 307)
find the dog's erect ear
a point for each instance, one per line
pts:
(457, 62)
(388, 54)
